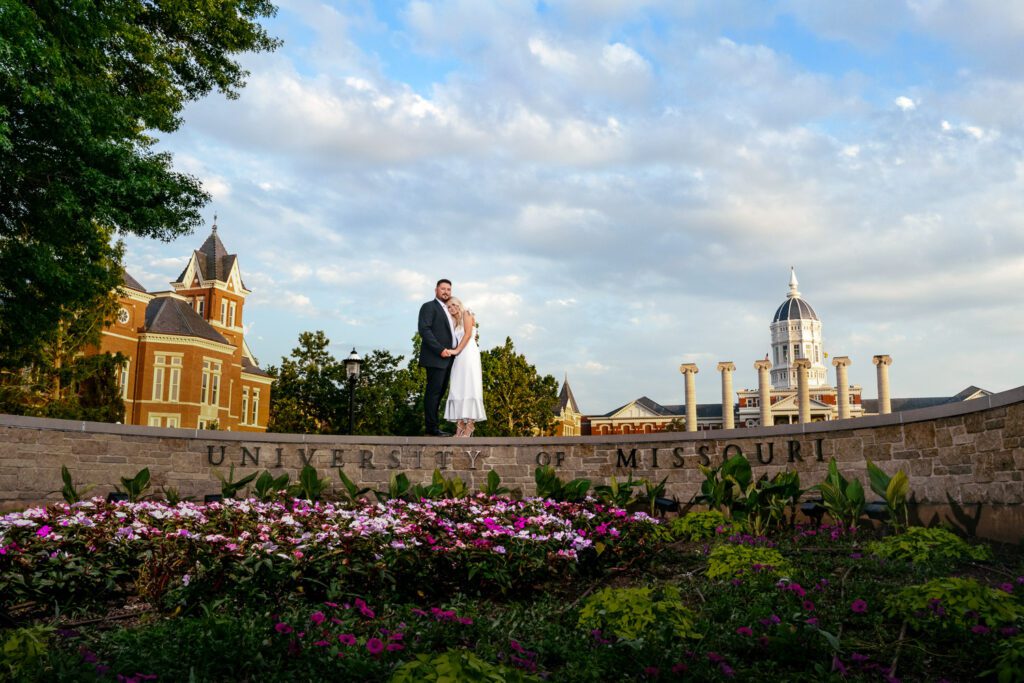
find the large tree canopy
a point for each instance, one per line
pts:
(83, 84)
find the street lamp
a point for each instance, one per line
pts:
(352, 365)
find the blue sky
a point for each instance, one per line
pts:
(622, 186)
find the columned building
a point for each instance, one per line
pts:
(796, 334)
(188, 364)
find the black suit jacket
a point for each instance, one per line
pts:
(436, 334)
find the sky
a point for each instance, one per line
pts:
(623, 186)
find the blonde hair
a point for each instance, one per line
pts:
(457, 317)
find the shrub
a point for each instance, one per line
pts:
(927, 546)
(954, 601)
(1009, 661)
(629, 613)
(700, 526)
(21, 648)
(456, 665)
(729, 561)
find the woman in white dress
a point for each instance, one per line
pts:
(465, 405)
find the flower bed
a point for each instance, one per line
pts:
(63, 553)
(294, 590)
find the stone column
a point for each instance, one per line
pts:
(689, 370)
(764, 391)
(842, 385)
(727, 368)
(802, 365)
(882, 364)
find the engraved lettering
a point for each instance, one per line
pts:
(794, 451)
(209, 455)
(247, 455)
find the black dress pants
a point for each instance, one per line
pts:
(437, 384)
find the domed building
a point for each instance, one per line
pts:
(796, 334)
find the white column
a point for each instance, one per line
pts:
(764, 391)
(842, 385)
(882, 364)
(689, 370)
(727, 368)
(802, 365)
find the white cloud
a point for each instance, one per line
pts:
(905, 103)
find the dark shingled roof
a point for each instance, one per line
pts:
(251, 368)
(899, 405)
(213, 259)
(130, 282)
(704, 410)
(167, 315)
(565, 398)
(794, 308)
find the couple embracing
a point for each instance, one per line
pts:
(452, 359)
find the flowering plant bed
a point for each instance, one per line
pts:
(488, 588)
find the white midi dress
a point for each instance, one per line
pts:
(466, 387)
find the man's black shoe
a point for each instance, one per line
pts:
(439, 433)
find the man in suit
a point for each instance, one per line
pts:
(437, 331)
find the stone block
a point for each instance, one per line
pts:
(988, 441)
(943, 437)
(919, 436)
(921, 467)
(974, 423)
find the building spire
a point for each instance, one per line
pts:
(794, 293)
(214, 224)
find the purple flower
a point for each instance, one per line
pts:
(317, 617)
(813, 621)
(375, 646)
(808, 606)
(346, 639)
(43, 531)
(744, 631)
(679, 668)
(980, 629)
(1008, 587)
(282, 627)
(652, 671)
(859, 606)
(838, 666)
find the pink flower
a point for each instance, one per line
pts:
(375, 646)
(744, 631)
(282, 627)
(808, 606)
(980, 629)
(317, 617)
(43, 531)
(346, 639)
(859, 606)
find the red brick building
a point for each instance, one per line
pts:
(188, 363)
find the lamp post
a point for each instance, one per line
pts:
(352, 365)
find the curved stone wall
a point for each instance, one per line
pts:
(965, 460)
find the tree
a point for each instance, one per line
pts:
(81, 86)
(387, 397)
(308, 396)
(518, 400)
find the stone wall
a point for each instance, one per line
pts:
(968, 455)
